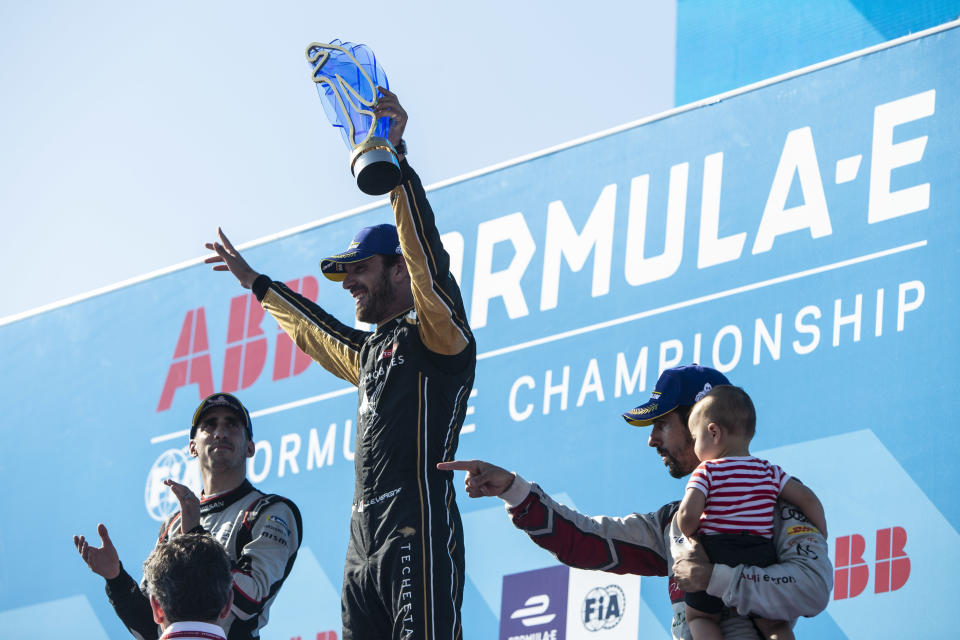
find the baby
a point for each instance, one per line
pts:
(729, 501)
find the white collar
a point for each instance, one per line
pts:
(195, 629)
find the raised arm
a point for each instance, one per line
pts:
(436, 295)
(332, 344)
(227, 258)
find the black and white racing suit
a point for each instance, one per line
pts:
(404, 570)
(644, 544)
(260, 532)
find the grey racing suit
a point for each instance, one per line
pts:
(260, 532)
(644, 544)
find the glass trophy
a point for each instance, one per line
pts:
(347, 76)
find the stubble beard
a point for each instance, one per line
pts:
(379, 299)
(673, 466)
(684, 462)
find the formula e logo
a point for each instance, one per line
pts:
(532, 612)
(533, 605)
(175, 464)
(602, 608)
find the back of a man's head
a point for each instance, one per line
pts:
(190, 578)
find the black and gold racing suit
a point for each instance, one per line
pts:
(404, 569)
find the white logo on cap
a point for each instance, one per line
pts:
(706, 390)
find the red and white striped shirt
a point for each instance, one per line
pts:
(741, 492)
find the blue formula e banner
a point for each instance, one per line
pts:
(800, 236)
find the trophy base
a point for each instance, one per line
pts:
(374, 164)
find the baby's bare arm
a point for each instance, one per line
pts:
(807, 501)
(691, 508)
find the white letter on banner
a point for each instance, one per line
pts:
(625, 380)
(591, 383)
(348, 453)
(263, 447)
(289, 448)
(506, 283)
(812, 329)
(729, 330)
(902, 305)
(878, 323)
(697, 340)
(798, 156)
(552, 390)
(761, 334)
(453, 243)
(638, 269)
(318, 456)
(519, 416)
(887, 156)
(714, 249)
(665, 362)
(839, 320)
(563, 240)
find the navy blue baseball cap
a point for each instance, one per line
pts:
(683, 385)
(222, 400)
(379, 239)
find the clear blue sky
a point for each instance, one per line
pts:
(129, 130)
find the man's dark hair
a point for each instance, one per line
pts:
(731, 408)
(190, 576)
(390, 259)
(683, 411)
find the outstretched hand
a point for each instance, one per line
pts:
(189, 505)
(229, 259)
(102, 560)
(483, 478)
(388, 106)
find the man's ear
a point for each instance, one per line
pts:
(226, 610)
(192, 447)
(251, 448)
(157, 611)
(399, 273)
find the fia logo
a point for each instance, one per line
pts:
(532, 612)
(174, 464)
(602, 608)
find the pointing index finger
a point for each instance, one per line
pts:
(473, 466)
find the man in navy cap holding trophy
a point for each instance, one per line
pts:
(404, 570)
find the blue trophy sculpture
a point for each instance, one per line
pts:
(347, 76)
